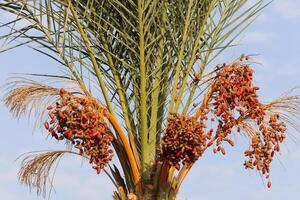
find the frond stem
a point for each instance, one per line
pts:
(92, 57)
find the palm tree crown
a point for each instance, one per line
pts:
(139, 82)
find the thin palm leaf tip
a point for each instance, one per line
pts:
(231, 102)
(36, 168)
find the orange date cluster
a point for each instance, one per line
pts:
(184, 140)
(233, 103)
(81, 122)
(236, 100)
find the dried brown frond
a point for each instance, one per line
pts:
(36, 168)
(117, 178)
(289, 104)
(23, 96)
(289, 109)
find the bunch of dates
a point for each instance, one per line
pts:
(184, 140)
(233, 105)
(236, 100)
(81, 122)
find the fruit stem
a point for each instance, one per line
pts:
(129, 153)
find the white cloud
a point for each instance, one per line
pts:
(288, 8)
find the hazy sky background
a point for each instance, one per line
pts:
(274, 36)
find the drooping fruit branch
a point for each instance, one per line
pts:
(230, 103)
(82, 122)
(134, 167)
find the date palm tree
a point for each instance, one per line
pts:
(139, 81)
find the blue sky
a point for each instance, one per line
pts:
(274, 36)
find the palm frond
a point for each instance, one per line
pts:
(36, 168)
(25, 96)
(289, 109)
(224, 24)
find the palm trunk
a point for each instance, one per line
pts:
(163, 193)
